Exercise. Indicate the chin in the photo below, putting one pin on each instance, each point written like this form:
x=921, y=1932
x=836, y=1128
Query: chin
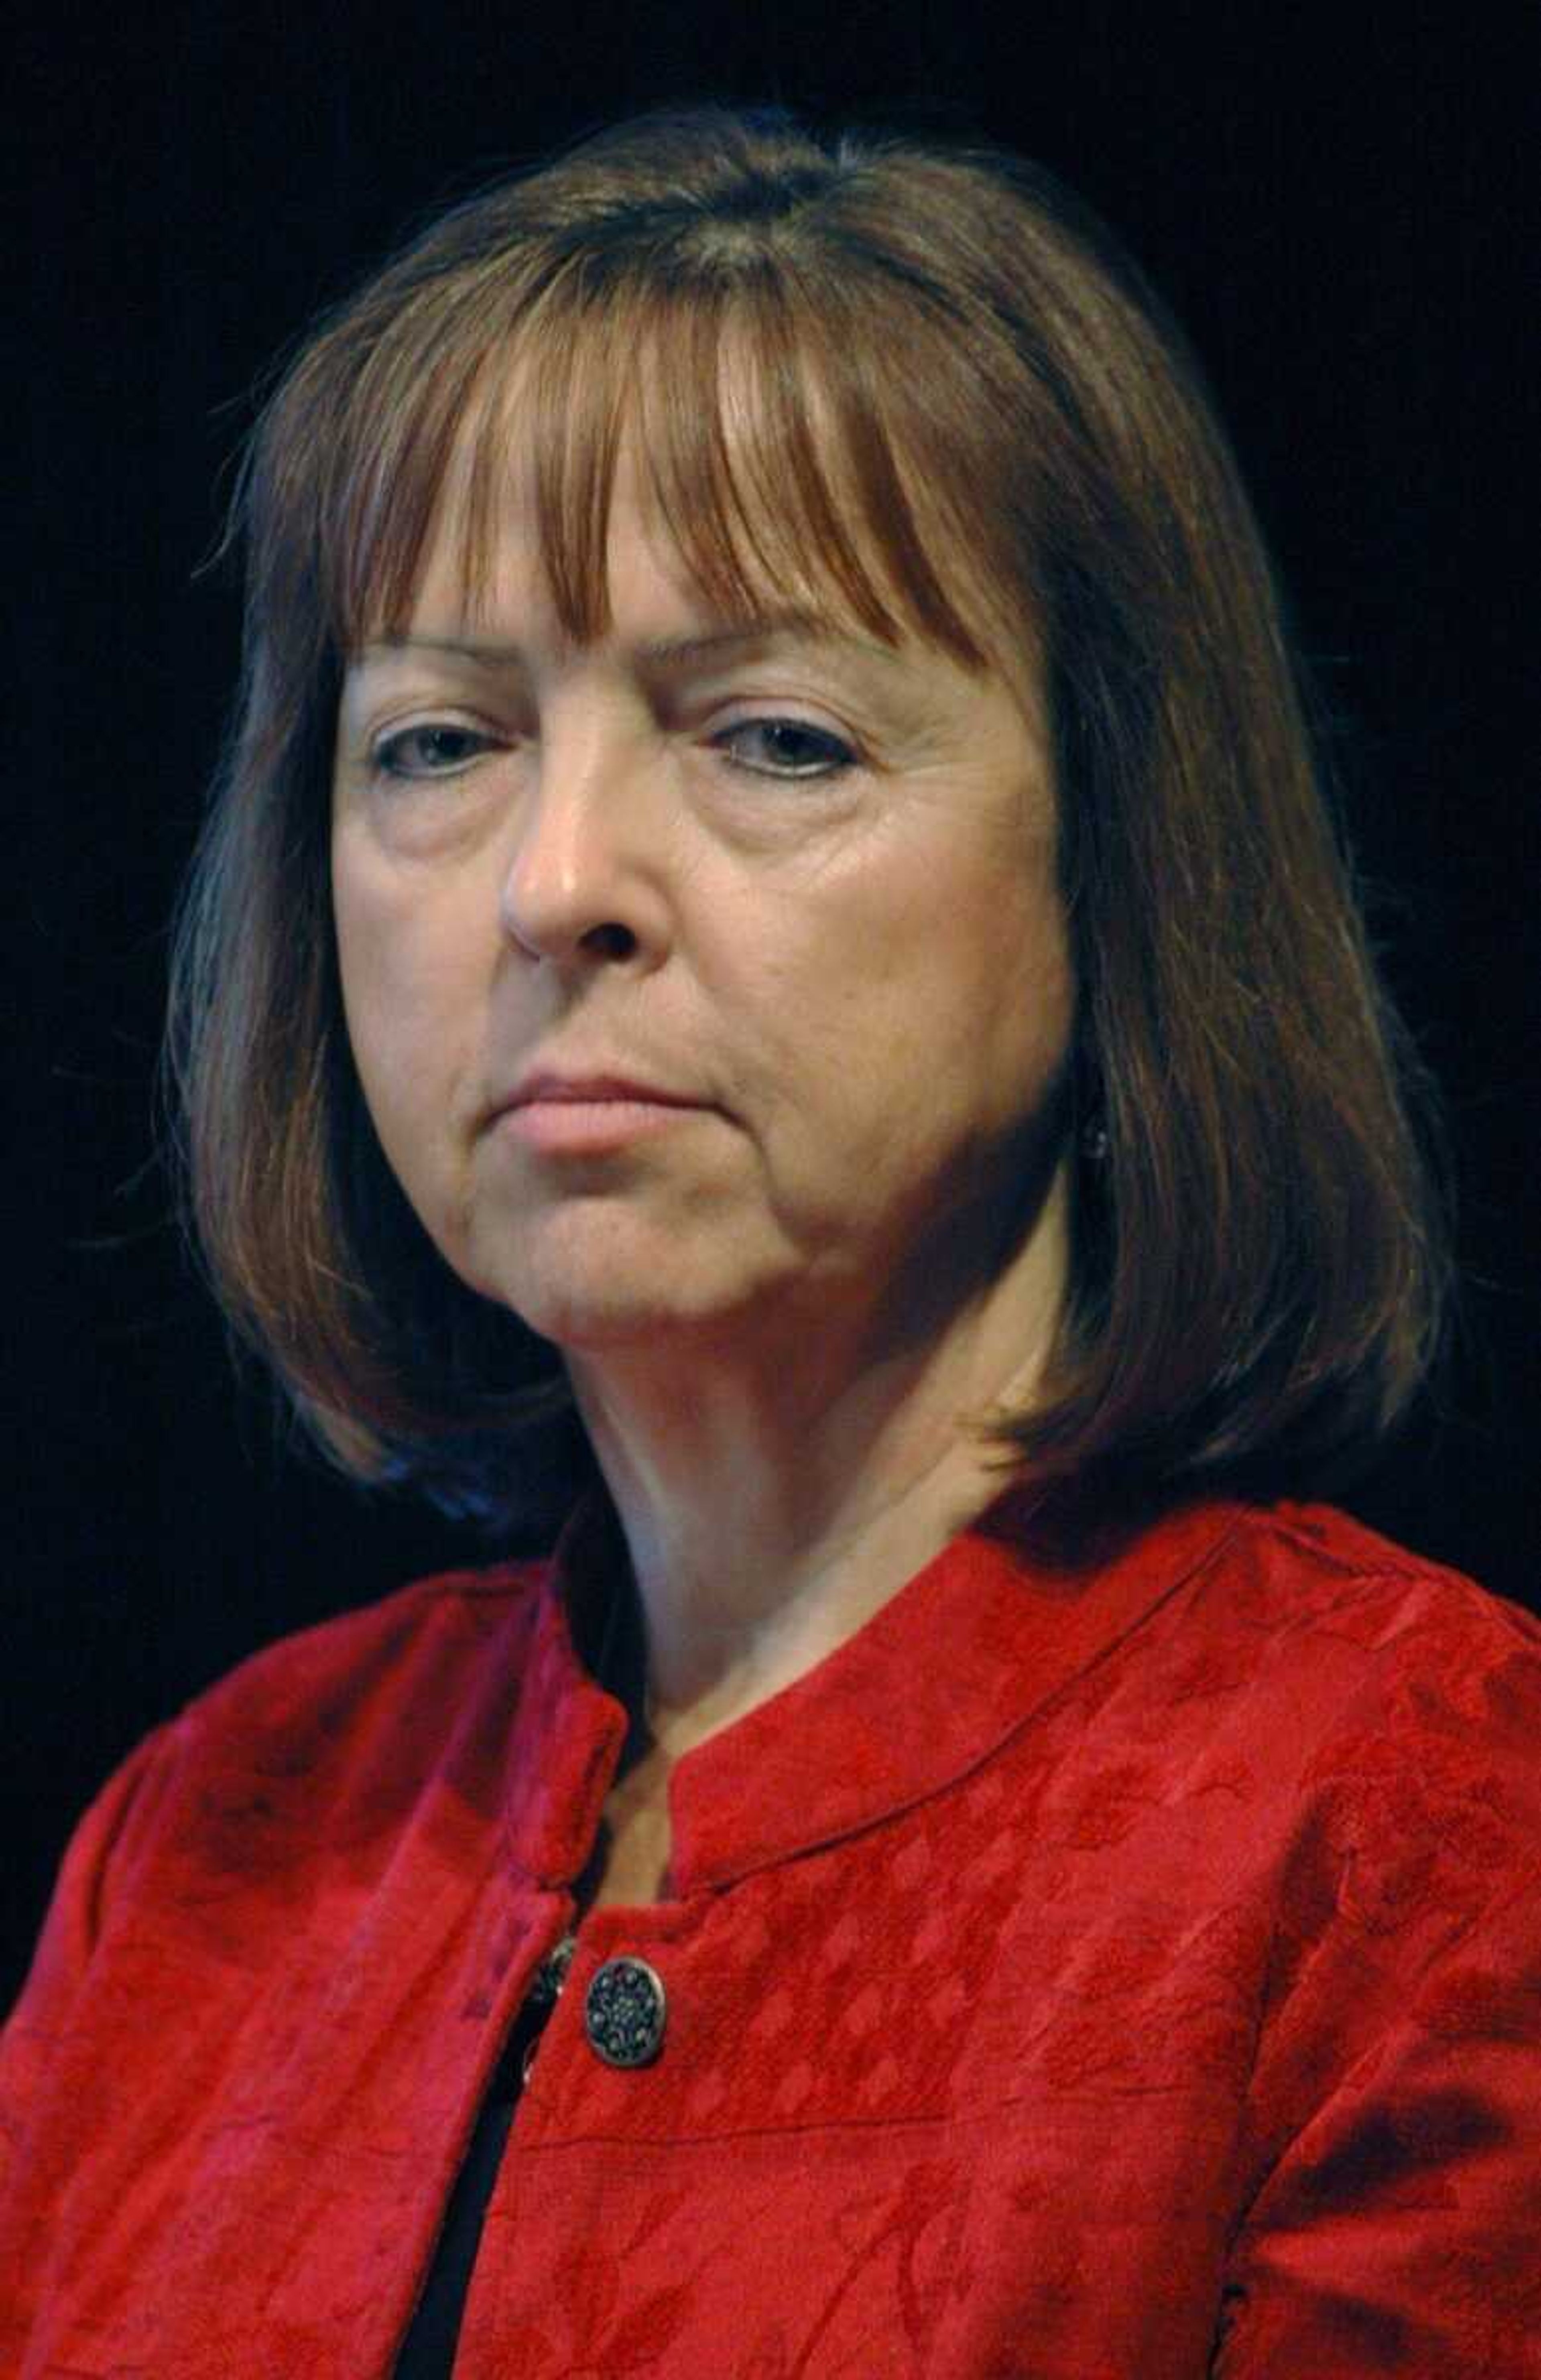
x=584, y=1307
x=597, y=1316
x=590, y=1283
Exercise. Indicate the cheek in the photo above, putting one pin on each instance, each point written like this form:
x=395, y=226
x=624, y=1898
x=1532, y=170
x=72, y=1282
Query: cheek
x=1027, y=993
x=406, y=996
x=911, y=1034
x=958, y=983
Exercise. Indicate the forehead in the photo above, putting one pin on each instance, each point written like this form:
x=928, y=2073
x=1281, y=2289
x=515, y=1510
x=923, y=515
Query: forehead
x=496, y=541
x=557, y=486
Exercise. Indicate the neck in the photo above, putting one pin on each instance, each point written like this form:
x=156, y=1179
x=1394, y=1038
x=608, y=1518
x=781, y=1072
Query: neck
x=773, y=1498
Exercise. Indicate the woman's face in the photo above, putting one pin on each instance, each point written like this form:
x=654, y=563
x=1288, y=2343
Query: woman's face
x=805, y=888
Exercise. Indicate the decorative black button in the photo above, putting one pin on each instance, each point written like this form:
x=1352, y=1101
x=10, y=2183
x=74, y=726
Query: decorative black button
x=623, y=2012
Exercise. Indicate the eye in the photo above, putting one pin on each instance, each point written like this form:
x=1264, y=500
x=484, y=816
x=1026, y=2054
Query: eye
x=838, y=755
x=432, y=748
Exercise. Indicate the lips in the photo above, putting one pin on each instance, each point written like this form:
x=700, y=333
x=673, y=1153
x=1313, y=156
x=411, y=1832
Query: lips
x=566, y=1117
x=606, y=1097
x=546, y=1085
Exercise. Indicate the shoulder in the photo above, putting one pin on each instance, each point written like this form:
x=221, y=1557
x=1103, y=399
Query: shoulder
x=328, y=1729
x=424, y=1679
x=1393, y=1705
x=1298, y=1619
x=1309, y=1574
x=1344, y=1683
x=410, y=1641
x=326, y=1738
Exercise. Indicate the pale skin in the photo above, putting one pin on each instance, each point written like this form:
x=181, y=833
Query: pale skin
x=838, y=937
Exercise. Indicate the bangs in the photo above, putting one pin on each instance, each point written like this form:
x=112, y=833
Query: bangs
x=772, y=456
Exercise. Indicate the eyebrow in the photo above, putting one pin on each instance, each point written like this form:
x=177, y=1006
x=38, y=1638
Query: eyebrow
x=791, y=624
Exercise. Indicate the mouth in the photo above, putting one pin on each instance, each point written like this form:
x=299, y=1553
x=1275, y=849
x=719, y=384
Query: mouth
x=546, y=1085
x=590, y=1113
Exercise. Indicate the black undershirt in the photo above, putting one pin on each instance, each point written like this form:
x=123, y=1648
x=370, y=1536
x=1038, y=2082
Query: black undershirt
x=428, y=2350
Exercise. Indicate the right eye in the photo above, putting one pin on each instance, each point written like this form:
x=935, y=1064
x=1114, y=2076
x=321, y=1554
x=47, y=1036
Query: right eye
x=430, y=748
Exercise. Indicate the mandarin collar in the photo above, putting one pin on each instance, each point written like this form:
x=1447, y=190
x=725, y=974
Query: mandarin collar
x=967, y=1652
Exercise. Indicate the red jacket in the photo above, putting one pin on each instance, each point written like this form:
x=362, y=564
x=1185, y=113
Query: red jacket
x=1127, y=1974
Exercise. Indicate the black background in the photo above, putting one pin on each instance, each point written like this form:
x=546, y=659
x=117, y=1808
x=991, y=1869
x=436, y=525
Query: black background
x=1341, y=216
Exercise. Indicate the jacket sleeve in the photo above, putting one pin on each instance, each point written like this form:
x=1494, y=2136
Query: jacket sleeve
x=94, y=1868
x=1396, y=2208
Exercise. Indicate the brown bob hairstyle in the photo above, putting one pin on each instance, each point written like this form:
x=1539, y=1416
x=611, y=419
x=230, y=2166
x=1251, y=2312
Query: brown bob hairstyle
x=971, y=423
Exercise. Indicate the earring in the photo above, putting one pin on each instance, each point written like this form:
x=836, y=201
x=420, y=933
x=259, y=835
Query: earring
x=1094, y=1143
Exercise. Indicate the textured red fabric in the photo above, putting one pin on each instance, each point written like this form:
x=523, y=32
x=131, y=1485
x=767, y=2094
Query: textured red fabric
x=1128, y=1973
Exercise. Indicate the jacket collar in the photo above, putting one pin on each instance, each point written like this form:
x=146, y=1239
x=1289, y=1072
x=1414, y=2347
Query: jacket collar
x=972, y=1646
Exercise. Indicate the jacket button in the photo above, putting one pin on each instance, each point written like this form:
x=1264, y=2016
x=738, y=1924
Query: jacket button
x=622, y=2014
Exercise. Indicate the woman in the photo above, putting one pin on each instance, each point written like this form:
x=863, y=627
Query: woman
x=770, y=930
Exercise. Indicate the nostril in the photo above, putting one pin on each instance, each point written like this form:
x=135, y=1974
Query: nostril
x=611, y=942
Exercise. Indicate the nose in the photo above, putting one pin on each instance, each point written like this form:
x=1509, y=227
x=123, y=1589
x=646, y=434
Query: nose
x=581, y=880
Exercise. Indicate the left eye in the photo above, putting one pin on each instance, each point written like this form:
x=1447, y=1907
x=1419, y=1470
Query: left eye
x=838, y=756
x=433, y=750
